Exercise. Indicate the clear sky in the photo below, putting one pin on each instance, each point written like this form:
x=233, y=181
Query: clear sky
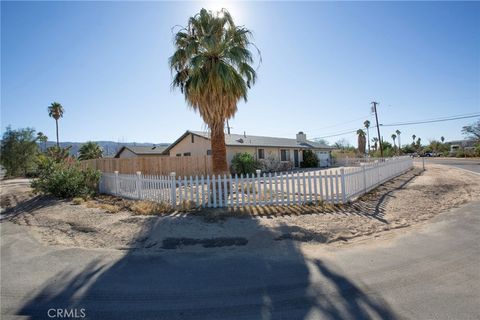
x=323, y=63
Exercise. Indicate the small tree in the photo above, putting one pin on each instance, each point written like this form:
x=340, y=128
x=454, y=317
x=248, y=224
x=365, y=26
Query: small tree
x=244, y=163
x=18, y=151
x=310, y=159
x=472, y=131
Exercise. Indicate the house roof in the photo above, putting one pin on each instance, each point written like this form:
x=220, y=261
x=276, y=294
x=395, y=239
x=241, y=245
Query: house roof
x=142, y=151
x=256, y=141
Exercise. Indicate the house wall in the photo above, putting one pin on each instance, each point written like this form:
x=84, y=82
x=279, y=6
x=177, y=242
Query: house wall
x=127, y=154
x=199, y=146
x=272, y=154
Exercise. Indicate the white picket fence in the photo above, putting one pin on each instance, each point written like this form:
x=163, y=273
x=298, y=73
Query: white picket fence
x=332, y=186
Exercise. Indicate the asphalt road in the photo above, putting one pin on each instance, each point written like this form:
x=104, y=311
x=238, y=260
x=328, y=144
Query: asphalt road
x=466, y=164
x=424, y=273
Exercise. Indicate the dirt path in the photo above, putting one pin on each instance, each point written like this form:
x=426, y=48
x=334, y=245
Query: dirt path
x=412, y=198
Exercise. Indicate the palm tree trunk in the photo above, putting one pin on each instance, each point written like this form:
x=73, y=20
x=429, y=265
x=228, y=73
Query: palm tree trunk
x=368, y=140
x=219, y=150
x=56, y=124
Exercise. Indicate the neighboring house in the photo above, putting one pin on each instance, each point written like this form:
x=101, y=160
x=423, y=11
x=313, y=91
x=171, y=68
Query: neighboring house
x=274, y=153
x=132, y=152
x=461, y=144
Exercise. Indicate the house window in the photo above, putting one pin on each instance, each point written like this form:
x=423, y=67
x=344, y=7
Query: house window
x=187, y=154
x=178, y=154
x=261, y=153
x=209, y=152
x=284, y=155
x=193, y=138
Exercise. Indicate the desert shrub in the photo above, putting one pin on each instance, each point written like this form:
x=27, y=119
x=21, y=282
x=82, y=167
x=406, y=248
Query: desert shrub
x=310, y=159
x=460, y=153
x=243, y=163
x=65, y=179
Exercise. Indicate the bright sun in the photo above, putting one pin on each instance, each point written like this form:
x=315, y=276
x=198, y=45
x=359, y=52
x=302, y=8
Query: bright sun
x=234, y=7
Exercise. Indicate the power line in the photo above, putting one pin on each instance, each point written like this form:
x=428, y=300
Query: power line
x=346, y=122
x=431, y=121
x=336, y=135
x=441, y=119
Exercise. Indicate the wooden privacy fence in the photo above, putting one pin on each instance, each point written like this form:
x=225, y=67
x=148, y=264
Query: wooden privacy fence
x=331, y=186
x=160, y=165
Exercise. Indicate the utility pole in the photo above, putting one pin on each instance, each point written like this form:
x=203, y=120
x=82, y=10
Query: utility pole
x=228, y=128
x=378, y=127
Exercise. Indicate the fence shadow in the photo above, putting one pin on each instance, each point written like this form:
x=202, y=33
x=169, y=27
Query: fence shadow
x=28, y=206
x=223, y=279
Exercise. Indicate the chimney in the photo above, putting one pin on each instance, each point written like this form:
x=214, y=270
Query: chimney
x=301, y=137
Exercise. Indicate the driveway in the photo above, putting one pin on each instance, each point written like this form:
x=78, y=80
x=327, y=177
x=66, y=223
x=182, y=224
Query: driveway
x=430, y=272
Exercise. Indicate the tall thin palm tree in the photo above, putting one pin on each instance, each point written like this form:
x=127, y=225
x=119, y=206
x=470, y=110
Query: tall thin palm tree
x=367, y=125
x=413, y=138
x=442, y=138
x=398, y=132
x=212, y=66
x=55, y=111
x=394, y=136
x=361, y=141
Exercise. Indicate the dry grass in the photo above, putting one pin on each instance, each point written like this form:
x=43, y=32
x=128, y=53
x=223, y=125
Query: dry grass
x=186, y=206
x=150, y=207
x=77, y=201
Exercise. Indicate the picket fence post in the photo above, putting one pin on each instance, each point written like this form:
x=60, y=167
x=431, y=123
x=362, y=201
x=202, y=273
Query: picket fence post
x=342, y=178
x=138, y=184
x=364, y=179
x=173, y=189
x=117, y=183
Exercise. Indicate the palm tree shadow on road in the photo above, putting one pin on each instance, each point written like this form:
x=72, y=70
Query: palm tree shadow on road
x=233, y=282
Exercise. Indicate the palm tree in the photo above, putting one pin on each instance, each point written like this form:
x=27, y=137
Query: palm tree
x=442, y=138
x=212, y=66
x=419, y=143
x=42, y=138
x=375, y=143
x=361, y=141
x=398, y=132
x=394, y=136
x=55, y=111
x=413, y=138
x=90, y=150
x=367, y=125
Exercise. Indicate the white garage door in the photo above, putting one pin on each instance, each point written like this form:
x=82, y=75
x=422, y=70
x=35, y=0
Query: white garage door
x=323, y=158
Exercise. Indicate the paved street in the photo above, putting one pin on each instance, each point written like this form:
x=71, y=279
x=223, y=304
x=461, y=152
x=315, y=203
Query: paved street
x=466, y=164
x=424, y=273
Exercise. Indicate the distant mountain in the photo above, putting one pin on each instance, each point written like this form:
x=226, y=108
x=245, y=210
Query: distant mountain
x=109, y=148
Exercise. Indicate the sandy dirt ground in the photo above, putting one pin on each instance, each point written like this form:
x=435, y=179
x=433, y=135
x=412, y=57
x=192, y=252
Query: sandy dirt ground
x=405, y=201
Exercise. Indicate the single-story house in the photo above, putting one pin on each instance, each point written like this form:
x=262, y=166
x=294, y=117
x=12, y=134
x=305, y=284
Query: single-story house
x=465, y=145
x=132, y=152
x=274, y=153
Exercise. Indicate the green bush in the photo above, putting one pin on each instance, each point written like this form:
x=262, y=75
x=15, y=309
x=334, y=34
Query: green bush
x=310, y=159
x=243, y=163
x=460, y=153
x=65, y=179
